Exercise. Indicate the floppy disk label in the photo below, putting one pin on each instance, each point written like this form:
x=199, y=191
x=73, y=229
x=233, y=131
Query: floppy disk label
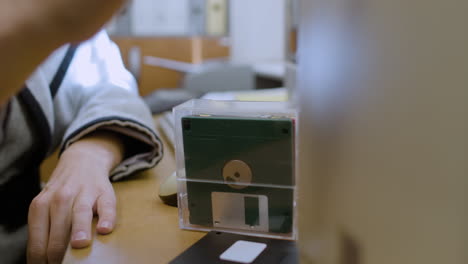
x=239, y=210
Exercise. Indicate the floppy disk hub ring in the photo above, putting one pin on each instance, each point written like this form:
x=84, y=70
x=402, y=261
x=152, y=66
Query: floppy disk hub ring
x=237, y=171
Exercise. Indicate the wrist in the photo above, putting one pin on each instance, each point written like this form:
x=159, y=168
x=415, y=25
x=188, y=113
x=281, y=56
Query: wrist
x=102, y=148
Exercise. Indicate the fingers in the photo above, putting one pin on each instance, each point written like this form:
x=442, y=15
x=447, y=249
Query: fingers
x=38, y=228
x=57, y=211
x=49, y=224
x=82, y=220
x=60, y=224
x=83, y=209
x=106, y=208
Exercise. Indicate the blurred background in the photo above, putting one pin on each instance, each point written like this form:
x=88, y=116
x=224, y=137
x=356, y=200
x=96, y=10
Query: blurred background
x=203, y=45
x=382, y=84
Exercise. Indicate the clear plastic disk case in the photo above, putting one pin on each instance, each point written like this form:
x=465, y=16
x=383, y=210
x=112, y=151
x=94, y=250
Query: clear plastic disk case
x=236, y=167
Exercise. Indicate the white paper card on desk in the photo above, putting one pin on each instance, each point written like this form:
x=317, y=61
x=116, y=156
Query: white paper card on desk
x=243, y=252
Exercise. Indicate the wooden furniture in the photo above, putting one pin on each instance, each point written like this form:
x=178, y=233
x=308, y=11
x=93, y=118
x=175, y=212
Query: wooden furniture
x=147, y=230
x=293, y=41
x=193, y=49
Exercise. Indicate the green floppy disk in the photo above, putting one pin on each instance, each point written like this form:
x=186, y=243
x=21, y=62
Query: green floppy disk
x=240, y=172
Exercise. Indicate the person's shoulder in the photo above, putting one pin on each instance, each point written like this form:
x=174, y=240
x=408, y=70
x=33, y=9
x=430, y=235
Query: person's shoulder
x=49, y=67
x=101, y=39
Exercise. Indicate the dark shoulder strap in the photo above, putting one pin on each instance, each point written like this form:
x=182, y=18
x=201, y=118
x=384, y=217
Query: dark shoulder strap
x=39, y=119
x=62, y=70
x=34, y=108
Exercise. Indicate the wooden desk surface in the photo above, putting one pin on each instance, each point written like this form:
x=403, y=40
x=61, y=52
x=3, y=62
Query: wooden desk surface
x=147, y=231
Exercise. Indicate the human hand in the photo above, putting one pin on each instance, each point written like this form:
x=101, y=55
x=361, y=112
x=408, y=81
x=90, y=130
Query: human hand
x=78, y=187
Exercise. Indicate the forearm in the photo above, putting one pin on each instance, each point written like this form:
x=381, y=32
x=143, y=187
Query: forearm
x=30, y=30
x=24, y=44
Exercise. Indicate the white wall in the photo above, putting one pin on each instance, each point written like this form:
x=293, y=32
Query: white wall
x=160, y=17
x=257, y=29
